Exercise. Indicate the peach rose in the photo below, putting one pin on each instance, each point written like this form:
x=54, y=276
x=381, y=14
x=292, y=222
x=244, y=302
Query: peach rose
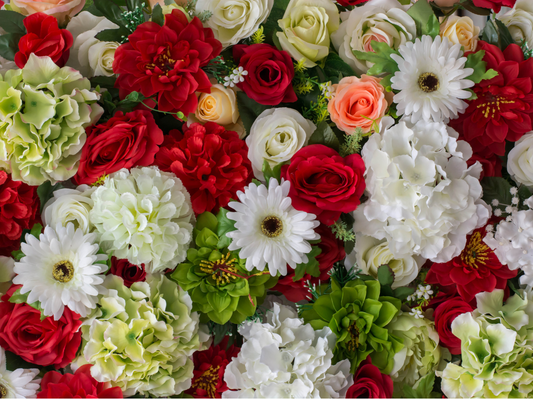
x=357, y=102
x=461, y=30
x=63, y=10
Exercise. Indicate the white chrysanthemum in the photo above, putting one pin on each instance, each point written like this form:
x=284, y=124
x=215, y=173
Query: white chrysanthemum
x=269, y=230
x=61, y=269
x=431, y=79
x=144, y=215
x=17, y=384
x=285, y=358
x=70, y=205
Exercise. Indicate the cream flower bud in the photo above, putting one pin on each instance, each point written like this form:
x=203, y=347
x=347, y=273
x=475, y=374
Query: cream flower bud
x=520, y=161
x=70, y=205
x=461, y=30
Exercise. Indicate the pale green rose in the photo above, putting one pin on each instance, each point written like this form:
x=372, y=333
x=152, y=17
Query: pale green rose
x=307, y=26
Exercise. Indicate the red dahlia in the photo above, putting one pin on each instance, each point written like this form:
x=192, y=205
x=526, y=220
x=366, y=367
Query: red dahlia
x=19, y=210
x=504, y=104
x=211, y=162
x=166, y=61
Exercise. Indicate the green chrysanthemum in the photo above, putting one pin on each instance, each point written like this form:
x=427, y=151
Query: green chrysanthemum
x=219, y=284
x=359, y=316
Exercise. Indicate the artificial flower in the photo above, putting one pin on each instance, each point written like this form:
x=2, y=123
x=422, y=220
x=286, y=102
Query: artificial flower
x=70, y=205
x=129, y=272
x=444, y=315
x=63, y=10
x=492, y=164
x=460, y=30
x=519, y=21
x=370, y=383
x=7, y=264
x=18, y=384
x=496, y=5
x=520, y=161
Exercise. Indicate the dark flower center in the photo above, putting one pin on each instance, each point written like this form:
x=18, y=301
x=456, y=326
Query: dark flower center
x=208, y=381
x=63, y=271
x=476, y=252
x=428, y=82
x=3, y=392
x=222, y=271
x=272, y=226
x=353, y=343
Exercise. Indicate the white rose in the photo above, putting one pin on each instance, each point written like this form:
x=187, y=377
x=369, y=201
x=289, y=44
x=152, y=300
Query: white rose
x=519, y=20
x=89, y=55
x=520, y=161
x=380, y=20
x=70, y=205
x=233, y=20
x=276, y=135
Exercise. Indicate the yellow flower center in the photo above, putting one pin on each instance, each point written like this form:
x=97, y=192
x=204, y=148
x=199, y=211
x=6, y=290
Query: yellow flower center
x=272, y=226
x=63, y=271
x=475, y=252
x=208, y=381
x=222, y=271
x=3, y=392
x=428, y=82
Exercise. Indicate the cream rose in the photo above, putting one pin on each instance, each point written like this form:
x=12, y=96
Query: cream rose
x=63, y=10
x=461, y=30
x=89, y=55
x=233, y=20
x=275, y=136
x=70, y=205
x=307, y=26
x=380, y=20
x=519, y=20
x=520, y=161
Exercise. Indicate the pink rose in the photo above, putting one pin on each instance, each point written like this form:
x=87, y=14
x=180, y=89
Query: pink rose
x=63, y=10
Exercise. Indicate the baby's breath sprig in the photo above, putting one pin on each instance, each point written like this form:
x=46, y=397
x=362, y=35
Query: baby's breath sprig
x=190, y=8
x=258, y=36
x=342, y=232
x=133, y=18
x=528, y=53
x=422, y=297
x=352, y=143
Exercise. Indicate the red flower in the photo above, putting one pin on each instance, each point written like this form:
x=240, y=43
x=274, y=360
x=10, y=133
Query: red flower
x=46, y=342
x=476, y=269
x=492, y=165
x=124, y=141
x=496, y=5
x=270, y=73
x=129, y=272
x=19, y=210
x=44, y=38
x=209, y=368
x=504, y=104
x=211, y=162
x=346, y=3
x=166, y=61
x=370, y=383
x=444, y=315
x=332, y=252
x=324, y=183
x=80, y=385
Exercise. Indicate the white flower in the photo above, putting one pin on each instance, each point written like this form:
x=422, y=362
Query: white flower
x=431, y=79
x=269, y=230
x=18, y=384
x=519, y=20
x=233, y=20
x=520, y=161
x=61, y=268
x=70, y=205
x=379, y=20
x=89, y=55
x=276, y=135
x=286, y=358
x=235, y=77
x=144, y=215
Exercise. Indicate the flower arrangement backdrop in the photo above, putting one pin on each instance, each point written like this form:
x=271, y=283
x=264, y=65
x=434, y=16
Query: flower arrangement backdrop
x=266, y=198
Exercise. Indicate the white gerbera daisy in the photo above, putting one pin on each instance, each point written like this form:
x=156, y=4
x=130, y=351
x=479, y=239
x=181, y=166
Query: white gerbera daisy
x=17, y=384
x=431, y=79
x=60, y=269
x=269, y=230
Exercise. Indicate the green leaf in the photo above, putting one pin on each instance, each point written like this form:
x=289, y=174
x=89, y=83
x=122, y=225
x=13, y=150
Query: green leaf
x=107, y=82
x=207, y=220
x=45, y=192
x=17, y=255
x=403, y=292
x=433, y=27
x=425, y=386
x=496, y=188
x=111, y=11
x=12, y=22
x=311, y=267
x=113, y=35
x=133, y=4
x=490, y=33
x=323, y=134
x=269, y=172
x=14, y=362
x=505, y=36
x=408, y=392
x=9, y=45
x=18, y=298
x=157, y=15
x=271, y=26
x=475, y=61
x=524, y=193
x=36, y=230
x=335, y=65
x=421, y=12
x=385, y=275
x=249, y=110
x=225, y=225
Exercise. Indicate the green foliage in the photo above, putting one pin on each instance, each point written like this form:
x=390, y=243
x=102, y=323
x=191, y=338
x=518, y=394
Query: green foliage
x=311, y=267
x=383, y=63
x=269, y=172
x=271, y=26
x=323, y=134
x=224, y=226
x=12, y=22
x=425, y=19
x=352, y=143
x=249, y=110
x=423, y=388
x=157, y=15
x=18, y=298
x=45, y=192
x=496, y=188
x=9, y=45
x=496, y=33
x=341, y=275
x=475, y=61
x=386, y=279
x=336, y=68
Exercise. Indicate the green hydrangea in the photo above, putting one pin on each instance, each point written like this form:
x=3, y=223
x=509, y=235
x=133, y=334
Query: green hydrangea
x=359, y=316
x=142, y=338
x=44, y=111
x=219, y=284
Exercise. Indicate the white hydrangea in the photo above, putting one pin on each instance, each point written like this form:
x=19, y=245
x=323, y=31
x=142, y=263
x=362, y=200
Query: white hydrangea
x=145, y=216
x=423, y=198
x=70, y=205
x=285, y=358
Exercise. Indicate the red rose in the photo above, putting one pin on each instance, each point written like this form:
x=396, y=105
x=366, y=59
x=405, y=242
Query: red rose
x=209, y=368
x=1, y=3
x=444, y=315
x=211, y=162
x=476, y=269
x=332, y=252
x=124, y=141
x=492, y=165
x=129, y=272
x=504, y=104
x=496, y=5
x=370, y=383
x=46, y=342
x=324, y=183
x=166, y=61
x=19, y=210
x=44, y=38
x=80, y=385
x=347, y=3
x=270, y=73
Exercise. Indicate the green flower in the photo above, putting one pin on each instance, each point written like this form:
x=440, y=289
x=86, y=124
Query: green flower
x=216, y=278
x=142, y=338
x=359, y=316
x=44, y=111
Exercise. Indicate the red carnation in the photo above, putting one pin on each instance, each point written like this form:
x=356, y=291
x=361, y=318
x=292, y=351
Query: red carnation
x=370, y=383
x=80, y=385
x=332, y=252
x=19, y=210
x=444, y=315
x=504, y=104
x=476, y=269
x=324, y=183
x=124, y=141
x=209, y=368
x=270, y=73
x=46, y=342
x=211, y=162
x=44, y=38
x=129, y=272
x=496, y=5
x=166, y=61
